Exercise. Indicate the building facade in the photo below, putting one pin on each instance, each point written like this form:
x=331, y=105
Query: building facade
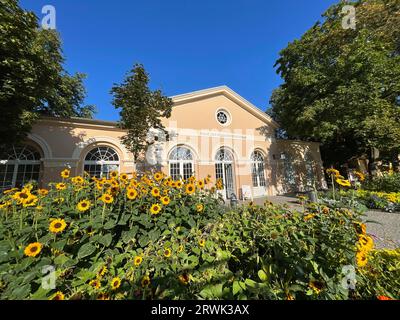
x=212, y=132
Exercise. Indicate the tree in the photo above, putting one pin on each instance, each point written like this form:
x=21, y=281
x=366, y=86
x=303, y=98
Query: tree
x=342, y=86
x=33, y=81
x=140, y=110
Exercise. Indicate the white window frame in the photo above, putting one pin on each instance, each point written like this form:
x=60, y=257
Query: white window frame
x=181, y=162
x=15, y=159
x=258, y=181
x=228, y=115
x=221, y=164
x=102, y=162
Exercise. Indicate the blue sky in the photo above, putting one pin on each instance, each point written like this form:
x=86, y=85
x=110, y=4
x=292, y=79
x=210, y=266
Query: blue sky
x=184, y=45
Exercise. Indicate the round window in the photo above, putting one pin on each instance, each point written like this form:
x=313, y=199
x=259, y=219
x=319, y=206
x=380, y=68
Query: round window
x=223, y=117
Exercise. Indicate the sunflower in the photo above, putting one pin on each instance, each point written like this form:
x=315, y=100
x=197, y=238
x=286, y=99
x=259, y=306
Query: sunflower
x=133, y=183
x=58, y=200
x=332, y=172
x=113, y=174
x=316, y=286
x=10, y=191
x=167, y=252
x=184, y=278
x=190, y=188
x=65, y=174
x=199, y=207
x=103, y=296
x=155, y=192
x=365, y=243
x=362, y=258
x=202, y=242
x=83, y=205
x=123, y=177
x=131, y=194
x=145, y=281
x=200, y=184
x=31, y=201
x=95, y=283
x=180, y=249
x=33, y=249
x=78, y=180
x=22, y=196
x=309, y=217
x=165, y=200
x=5, y=204
x=363, y=228
x=360, y=176
x=343, y=182
x=155, y=209
x=57, y=226
x=102, y=272
x=178, y=184
x=137, y=261
x=61, y=186
x=58, y=296
x=115, y=283
x=107, y=198
x=158, y=176
x=43, y=192
x=219, y=185
x=144, y=191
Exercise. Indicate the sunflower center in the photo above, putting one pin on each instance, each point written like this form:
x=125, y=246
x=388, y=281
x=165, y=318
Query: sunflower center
x=57, y=225
x=34, y=249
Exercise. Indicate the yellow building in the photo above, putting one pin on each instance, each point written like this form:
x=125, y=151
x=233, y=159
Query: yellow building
x=212, y=132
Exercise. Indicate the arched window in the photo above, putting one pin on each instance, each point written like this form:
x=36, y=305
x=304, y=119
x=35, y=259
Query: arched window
x=289, y=171
x=258, y=169
x=181, y=163
x=19, y=166
x=100, y=161
x=224, y=166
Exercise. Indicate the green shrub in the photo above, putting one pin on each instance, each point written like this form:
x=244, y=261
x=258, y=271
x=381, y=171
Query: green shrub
x=382, y=272
x=155, y=238
x=387, y=183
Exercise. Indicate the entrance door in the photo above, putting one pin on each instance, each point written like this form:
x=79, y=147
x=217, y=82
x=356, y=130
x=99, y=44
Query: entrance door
x=224, y=170
x=258, y=174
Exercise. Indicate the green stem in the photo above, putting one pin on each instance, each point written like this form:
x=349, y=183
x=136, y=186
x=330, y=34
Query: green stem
x=103, y=214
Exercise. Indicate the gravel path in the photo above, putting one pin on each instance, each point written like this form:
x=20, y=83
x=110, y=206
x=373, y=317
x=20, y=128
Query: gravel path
x=384, y=227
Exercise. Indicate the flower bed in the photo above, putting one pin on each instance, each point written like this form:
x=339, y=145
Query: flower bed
x=389, y=202
x=155, y=238
x=346, y=193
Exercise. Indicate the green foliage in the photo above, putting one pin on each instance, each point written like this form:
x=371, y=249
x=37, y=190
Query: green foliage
x=140, y=109
x=185, y=251
x=341, y=87
x=385, y=183
x=383, y=269
x=32, y=78
x=360, y=198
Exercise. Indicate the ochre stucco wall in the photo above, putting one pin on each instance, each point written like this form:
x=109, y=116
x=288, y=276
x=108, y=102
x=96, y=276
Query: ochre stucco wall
x=66, y=143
